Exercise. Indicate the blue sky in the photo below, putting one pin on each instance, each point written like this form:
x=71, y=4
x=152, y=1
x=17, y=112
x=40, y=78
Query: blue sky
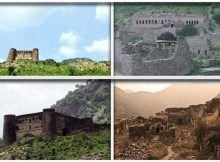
x=58, y=31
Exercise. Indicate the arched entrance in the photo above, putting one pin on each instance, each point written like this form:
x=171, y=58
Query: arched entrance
x=180, y=121
x=158, y=130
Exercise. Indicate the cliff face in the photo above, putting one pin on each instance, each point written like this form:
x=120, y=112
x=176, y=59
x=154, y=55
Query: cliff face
x=90, y=100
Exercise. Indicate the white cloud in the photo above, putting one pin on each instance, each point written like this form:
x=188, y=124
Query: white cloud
x=15, y=16
x=102, y=13
x=67, y=51
x=99, y=47
x=68, y=43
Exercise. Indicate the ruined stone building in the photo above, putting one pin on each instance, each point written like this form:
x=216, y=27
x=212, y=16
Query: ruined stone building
x=167, y=55
x=172, y=20
x=139, y=51
x=166, y=125
x=22, y=55
x=46, y=124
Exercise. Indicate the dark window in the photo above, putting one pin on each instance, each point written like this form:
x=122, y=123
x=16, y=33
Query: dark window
x=161, y=21
x=139, y=21
x=155, y=21
x=136, y=21
x=145, y=21
x=29, y=120
x=197, y=22
x=206, y=52
x=29, y=127
x=198, y=51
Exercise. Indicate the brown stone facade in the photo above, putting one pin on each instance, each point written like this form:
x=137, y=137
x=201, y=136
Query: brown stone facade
x=22, y=55
x=46, y=124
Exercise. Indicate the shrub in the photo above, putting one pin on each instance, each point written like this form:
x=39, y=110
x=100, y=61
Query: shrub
x=187, y=30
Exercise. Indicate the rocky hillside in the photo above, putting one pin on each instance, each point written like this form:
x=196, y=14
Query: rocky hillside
x=90, y=100
x=129, y=104
x=60, y=148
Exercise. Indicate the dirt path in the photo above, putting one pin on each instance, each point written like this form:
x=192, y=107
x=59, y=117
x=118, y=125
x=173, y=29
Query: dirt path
x=169, y=155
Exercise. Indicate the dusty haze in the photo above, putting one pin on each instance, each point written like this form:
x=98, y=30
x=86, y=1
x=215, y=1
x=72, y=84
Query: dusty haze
x=130, y=102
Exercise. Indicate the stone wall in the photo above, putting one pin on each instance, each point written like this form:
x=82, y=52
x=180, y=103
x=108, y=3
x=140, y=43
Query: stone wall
x=137, y=131
x=28, y=124
x=179, y=64
x=173, y=20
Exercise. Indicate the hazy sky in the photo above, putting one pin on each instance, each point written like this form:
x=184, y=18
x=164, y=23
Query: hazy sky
x=143, y=86
x=29, y=97
x=59, y=31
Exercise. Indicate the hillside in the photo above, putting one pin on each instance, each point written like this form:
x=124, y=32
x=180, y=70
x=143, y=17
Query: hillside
x=177, y=95
x=65, y=147
x=90, y=100
x=71, y=67
x=124, y=11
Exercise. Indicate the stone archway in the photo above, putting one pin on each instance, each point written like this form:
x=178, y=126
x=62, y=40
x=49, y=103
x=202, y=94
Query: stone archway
x=180, y=121
x=157, y=130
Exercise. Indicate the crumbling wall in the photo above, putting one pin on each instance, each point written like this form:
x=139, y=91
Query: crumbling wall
x=29, y=124
x=180, y=64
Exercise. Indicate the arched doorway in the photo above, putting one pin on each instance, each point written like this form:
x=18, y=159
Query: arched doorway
x=158, y=130
x=180, y=121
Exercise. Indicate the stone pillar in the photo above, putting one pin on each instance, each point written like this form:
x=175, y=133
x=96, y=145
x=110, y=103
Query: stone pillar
x=164, y=45
x=49, y=123
x=9, y=132
x=35, y=54
x=11, y=55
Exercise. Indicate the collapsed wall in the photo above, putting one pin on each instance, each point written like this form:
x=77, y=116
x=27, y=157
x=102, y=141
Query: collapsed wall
x=179, y=64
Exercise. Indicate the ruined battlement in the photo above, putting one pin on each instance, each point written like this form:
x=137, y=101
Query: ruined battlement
x=22, y=55
x=46, y=124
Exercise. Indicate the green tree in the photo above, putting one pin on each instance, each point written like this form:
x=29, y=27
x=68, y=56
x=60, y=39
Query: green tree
x=187, y=30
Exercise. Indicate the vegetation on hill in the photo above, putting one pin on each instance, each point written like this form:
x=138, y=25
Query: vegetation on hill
x=124, y=11
x=188, y=30
x=49, y=67
x=90, y=100
x=59, y=148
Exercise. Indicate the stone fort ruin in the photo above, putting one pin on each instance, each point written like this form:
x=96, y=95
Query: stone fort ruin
x=166, y=20
x=139, y=50
x=167, y=125
x=22, y=55
x=46, y=124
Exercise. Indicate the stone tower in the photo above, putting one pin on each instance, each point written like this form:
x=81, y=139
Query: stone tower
x=49, y=123
x=9, y=134
x=35, y=55
x=11, y=55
